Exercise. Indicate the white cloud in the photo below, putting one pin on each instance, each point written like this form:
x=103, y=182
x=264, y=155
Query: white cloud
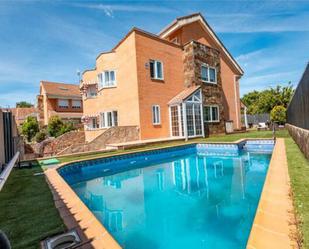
x=109, y=9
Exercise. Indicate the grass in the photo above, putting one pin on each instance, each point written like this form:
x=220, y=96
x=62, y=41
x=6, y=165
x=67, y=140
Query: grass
x=28, y=214
x=299, y=175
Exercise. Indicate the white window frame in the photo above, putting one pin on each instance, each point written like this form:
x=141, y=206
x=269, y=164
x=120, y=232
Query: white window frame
x=90, y=93
x=156, y=114
x=155, y=62
x=76, y=106
x=208, y=80
x=63, y=106
x=105, y=123
x=211, y=118
x=108, y=84
x=90, y=124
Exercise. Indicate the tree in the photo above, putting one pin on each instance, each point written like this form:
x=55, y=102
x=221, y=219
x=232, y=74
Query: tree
x=57, y=127
x=24, y=104
x=278, y=114
x=29, y=128
x=54, y=126
x=264, y=101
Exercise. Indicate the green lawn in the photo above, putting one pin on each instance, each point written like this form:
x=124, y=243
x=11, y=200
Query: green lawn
x=27, y=212
x=299, y=175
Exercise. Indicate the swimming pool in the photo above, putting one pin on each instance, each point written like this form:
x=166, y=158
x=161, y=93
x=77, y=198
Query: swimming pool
x=193, y=196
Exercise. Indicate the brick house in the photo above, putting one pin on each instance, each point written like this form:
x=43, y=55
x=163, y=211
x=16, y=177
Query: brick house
x=59, y=99
x=181, y=82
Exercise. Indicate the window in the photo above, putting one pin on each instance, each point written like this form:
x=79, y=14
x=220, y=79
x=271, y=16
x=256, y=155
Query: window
x=156, y=69
x=211, y=113
x=156, y=115
x=175, y=40
x=93, y=124
x=91, y=91
x=209, y=74
x=107, y=79
x=76, y=104
x=63, y=103
x=108, y=119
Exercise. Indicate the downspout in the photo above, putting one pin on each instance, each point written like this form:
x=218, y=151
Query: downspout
x=236, y=100
x=246, y=119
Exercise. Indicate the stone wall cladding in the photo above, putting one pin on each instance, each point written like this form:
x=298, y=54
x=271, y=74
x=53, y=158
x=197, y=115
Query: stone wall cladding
x=116, y=134
x=301, y=137
x=54, y=146
x=195, y=55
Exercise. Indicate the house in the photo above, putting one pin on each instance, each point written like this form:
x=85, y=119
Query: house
x=21, y=113
x=182, y=82
x=59, y=99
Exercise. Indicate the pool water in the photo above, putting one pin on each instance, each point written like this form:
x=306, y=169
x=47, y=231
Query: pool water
x=191, y=199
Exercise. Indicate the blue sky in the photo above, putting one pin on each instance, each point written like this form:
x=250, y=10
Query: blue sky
x=51, y=40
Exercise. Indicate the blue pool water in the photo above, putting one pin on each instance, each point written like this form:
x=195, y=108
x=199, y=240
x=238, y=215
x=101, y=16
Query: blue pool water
x=196, y=196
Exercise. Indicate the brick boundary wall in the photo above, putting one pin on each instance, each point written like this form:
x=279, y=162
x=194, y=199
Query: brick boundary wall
x=301, y=137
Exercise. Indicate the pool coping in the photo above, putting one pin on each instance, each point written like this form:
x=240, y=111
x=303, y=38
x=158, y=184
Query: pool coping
x=76, y=214
x=274, y=225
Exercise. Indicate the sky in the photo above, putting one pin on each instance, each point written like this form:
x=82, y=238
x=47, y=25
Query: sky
x=53, y=40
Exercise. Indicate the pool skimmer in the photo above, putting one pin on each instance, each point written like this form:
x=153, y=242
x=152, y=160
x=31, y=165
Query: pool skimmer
x=62, y=241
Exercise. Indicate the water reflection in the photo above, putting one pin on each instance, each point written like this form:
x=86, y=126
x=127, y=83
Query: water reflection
x=196, y=202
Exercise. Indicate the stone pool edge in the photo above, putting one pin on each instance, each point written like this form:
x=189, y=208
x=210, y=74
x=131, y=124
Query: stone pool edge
x=274, y=225
x=76, y=214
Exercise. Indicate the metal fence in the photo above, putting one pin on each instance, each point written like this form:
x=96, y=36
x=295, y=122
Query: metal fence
x=298, y=109
x=8, y=137
x=255, y=119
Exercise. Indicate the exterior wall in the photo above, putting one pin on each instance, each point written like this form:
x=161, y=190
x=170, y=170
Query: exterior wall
x=301, y=137
x=124, y=97
x=92, y=134
x=194, y=31
x=157, y=92
x=55, y=107
x=195, y=55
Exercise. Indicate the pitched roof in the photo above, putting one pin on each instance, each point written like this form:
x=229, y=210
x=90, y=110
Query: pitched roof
x=180, y=97
x=60, y=89
x=22, y=113
x=184, y=20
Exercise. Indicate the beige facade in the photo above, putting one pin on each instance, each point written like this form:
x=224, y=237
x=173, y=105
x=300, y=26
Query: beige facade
x=134, y=83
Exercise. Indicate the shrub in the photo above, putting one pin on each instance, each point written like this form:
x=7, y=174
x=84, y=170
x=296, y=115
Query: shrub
x=29, y=128
x=57, y=127
x=66, y=128
x=40, y=136
x=278, y=114
x=54, y=126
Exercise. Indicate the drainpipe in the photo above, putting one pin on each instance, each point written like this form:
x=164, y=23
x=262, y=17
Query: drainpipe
x=246, y=120
x=236, y=100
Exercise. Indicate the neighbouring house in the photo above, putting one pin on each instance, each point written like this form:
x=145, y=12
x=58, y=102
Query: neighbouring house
x=182, y=82
x=59, y=99
x=21, y=113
